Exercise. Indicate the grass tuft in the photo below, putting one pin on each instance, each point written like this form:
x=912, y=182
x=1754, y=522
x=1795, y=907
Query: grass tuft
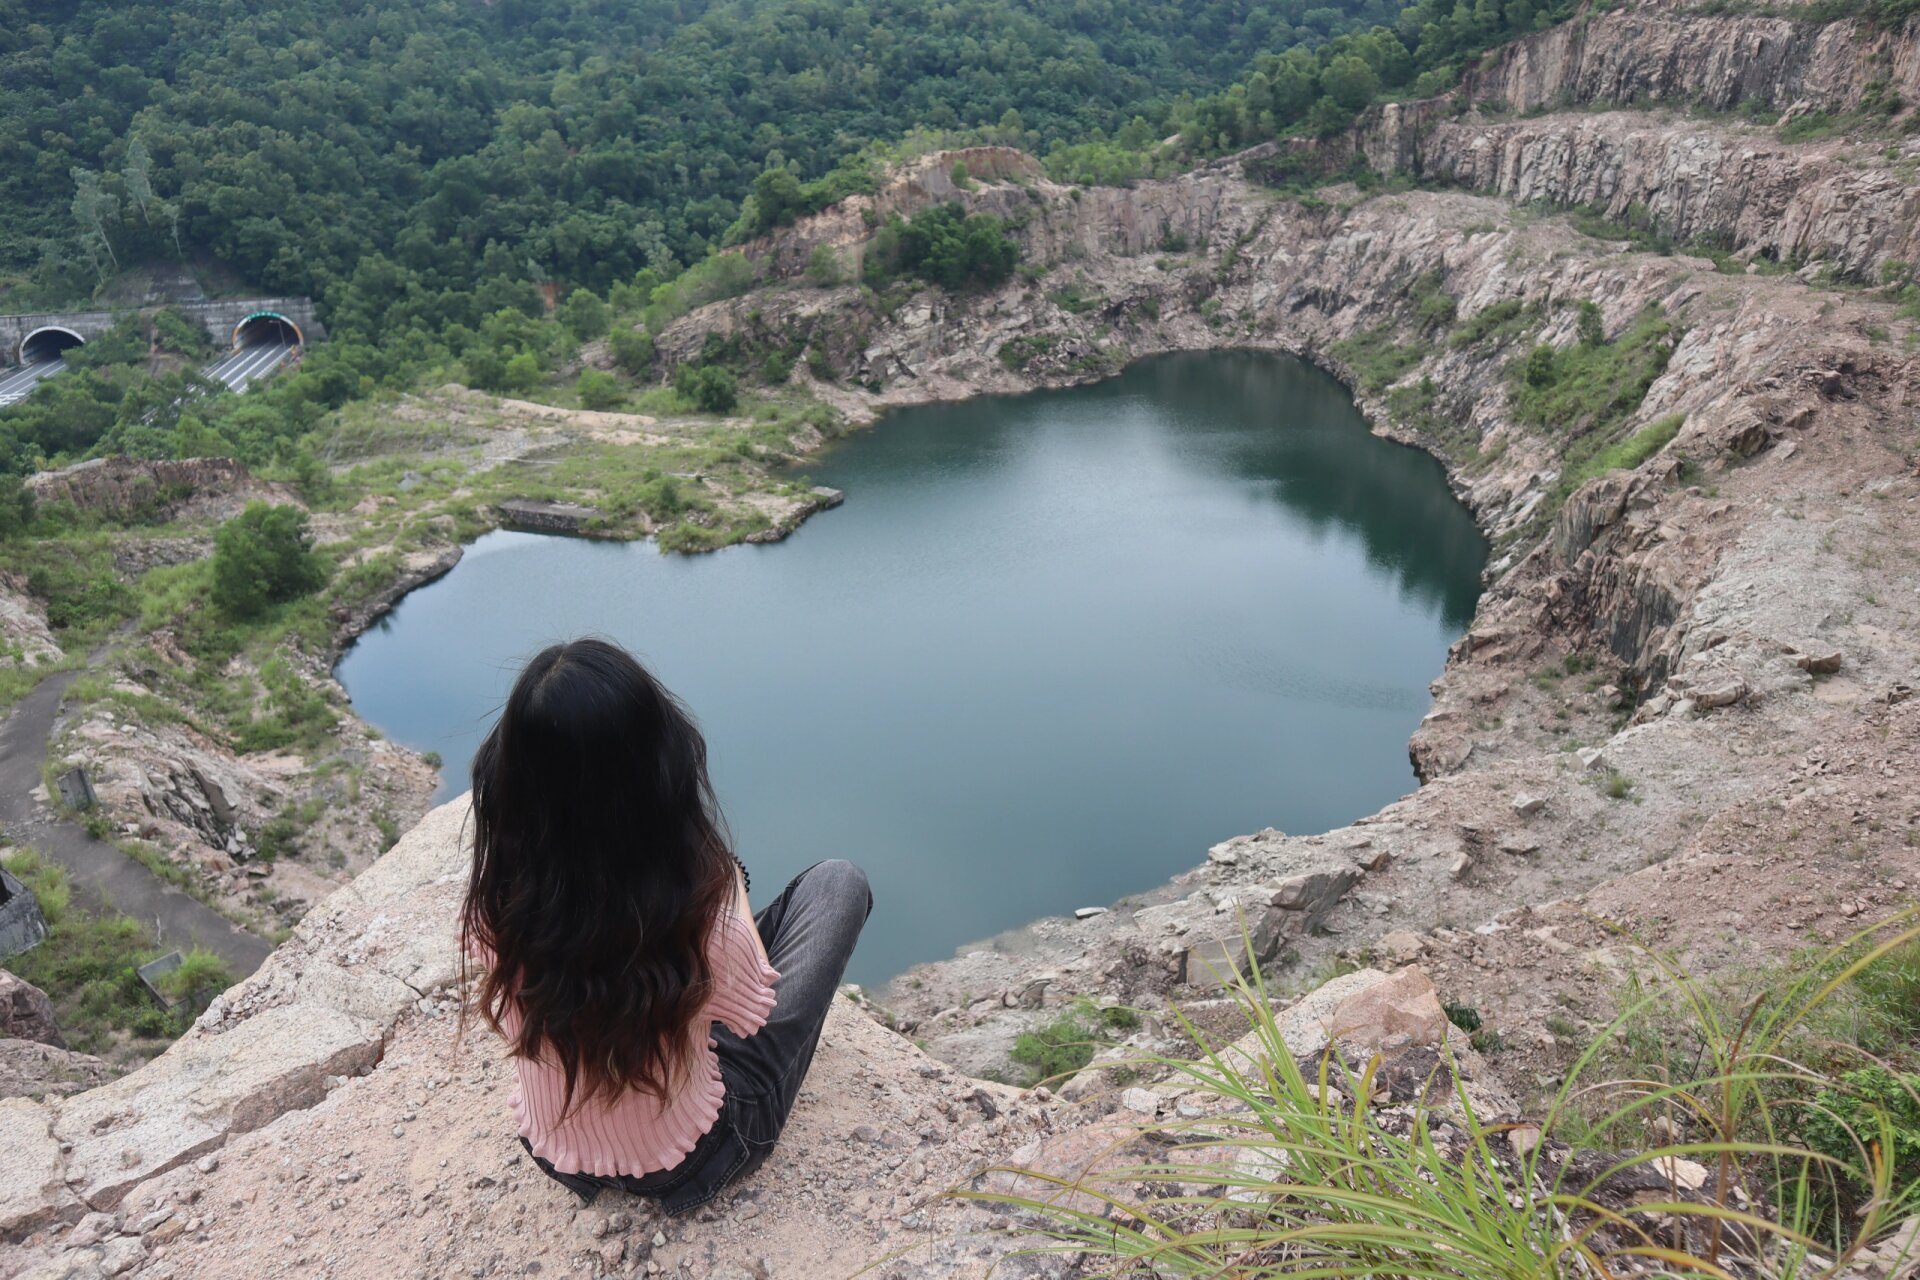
x=1284, y=1175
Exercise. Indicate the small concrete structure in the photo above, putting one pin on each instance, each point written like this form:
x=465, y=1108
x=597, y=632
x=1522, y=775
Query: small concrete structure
x=548, y=517
x=22, y=926
x=76, y=790
x=153, y=970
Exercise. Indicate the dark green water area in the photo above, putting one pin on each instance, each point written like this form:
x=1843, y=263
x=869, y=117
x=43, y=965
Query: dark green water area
x=1052, y=647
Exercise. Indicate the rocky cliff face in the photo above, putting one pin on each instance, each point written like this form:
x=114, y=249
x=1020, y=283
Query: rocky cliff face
x=1732, y=187
x=1670, y=52
x=1648, y=650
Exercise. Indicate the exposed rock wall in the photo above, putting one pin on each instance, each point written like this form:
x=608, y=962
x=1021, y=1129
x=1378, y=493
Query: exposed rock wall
x=1686, y=586
x=156, y=489
x=1734, y=186
x=1664, y=53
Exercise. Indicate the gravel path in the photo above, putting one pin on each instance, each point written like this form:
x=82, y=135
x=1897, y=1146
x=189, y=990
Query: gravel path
x=103, y=874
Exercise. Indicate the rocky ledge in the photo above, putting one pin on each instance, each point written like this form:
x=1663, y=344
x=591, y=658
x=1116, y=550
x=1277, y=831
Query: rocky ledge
x=331, y=1117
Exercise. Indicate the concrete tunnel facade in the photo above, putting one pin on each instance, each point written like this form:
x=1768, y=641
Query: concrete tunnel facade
x=48, y=342
x=227, y=322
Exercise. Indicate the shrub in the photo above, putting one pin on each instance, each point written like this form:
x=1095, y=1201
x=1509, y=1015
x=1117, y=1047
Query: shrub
x=598, y=390
x=177, y=332
x=1374, y=358
x=1437, y=310
x=1069, y=1042
x=632, y=351
x=522, y=373
x=262, y=557
x=823, y=267
x=711, y=388
x=1863, y=1108
x=86, y=967
x=1593, y=387
x=201, y=976
x=724, y=275
x=1590, y=327
x=1624, y=455
x=1058, y=1049
x=1019, y=352
x=944, y=245
x=293, y=713
x=1497, y=322
x=1538, y=370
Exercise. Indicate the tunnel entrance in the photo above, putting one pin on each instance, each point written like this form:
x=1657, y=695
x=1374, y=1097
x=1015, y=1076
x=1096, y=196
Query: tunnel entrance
x=48, y=343
x=266, y=328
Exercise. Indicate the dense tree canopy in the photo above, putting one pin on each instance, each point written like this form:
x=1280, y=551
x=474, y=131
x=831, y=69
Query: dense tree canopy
x=572, y=140
x=438, y=173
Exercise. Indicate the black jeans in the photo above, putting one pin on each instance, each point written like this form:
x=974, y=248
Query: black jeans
x=809, y=932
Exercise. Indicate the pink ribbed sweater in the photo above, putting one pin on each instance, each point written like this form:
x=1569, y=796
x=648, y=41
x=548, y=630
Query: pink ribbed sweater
x=636, y=1133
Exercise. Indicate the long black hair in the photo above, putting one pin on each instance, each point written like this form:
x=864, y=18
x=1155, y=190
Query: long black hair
x=600, y=865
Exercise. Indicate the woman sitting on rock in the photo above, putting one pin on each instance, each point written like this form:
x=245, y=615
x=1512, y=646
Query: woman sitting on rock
x=660, y=1030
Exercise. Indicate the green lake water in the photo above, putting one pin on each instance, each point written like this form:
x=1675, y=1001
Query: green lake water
x=1052, y=647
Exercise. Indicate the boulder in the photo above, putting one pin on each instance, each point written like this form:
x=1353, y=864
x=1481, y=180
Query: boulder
x=1404, y=1004
x=1213, y=942
x=1399, y=947
x=188, y=1100
x=26, y=1013
x=1818, y=662
x=29, y=1068
x=1721, y=693
x=33, y=1189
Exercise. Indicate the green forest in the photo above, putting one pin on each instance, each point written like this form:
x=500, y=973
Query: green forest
x=435, y=174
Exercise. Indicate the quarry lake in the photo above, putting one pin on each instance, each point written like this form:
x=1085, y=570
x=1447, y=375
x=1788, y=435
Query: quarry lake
x=1052, y=647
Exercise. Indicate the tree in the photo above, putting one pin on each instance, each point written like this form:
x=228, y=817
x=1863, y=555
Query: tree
x=95, y=209
x=1349, y=81
x=584, y=315
x=137, y=173
x=262, y=557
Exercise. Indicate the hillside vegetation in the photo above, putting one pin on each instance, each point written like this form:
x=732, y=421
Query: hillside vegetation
x=438, y=175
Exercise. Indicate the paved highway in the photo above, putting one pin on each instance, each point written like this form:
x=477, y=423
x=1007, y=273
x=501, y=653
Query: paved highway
x=236, y=371
x=249, y=364
x=18, y=384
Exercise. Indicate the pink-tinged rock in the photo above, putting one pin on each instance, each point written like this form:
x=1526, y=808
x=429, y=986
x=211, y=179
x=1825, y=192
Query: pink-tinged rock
x=1404, y=1004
